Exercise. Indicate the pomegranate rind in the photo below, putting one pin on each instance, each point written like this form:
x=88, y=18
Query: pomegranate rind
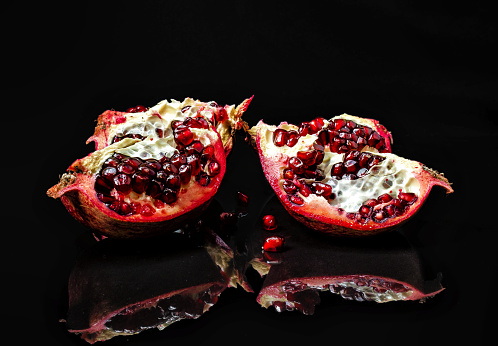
x=76, y=187
x=317, y=213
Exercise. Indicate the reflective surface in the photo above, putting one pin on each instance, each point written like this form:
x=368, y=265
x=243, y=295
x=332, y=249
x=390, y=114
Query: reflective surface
x=426, y=73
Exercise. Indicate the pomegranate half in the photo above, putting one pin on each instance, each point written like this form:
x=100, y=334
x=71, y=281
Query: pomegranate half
x=339, y=176
x=153, y=169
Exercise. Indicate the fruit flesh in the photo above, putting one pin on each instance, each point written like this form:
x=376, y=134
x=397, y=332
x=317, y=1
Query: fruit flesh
x=338, y=212
x=119, y=208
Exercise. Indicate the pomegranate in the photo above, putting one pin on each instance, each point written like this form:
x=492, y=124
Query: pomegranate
x=339, y=176
x=384, y=269
x=115, y=288
x=152, y=168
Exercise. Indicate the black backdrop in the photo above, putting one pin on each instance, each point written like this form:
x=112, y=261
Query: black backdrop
x=428, y=73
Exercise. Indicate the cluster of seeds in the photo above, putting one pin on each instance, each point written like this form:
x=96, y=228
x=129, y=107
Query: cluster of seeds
x=340, y=135
x=304, y=166
x=383, y=207
x=162, y=179
x=303, y=177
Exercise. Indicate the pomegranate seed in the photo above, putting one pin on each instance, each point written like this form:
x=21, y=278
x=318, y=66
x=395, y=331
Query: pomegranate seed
x=315, y=125
x=122, y=183
x=203, y=179
x=305, y=190
x=321, y=189
x=304, y=129
x=108, y=174
x=373, y=139
x=125, y=168
x=169, y=196
x=170, y=168
x=379, y=215
x=296, y=165
x=186, y=108
x=339, y=123
x=359, y=131
x=296, y=199
x=207, y=153
x=146, y=170
x=185, y=172
x=351, y=166
x=324, y=137
x=111, y=162
x=365, y=210
x=154, y=189
x=273, y=244
x=135, y=162
x=280, y=137
x=345, y=129
x=384, y=198
x=183, y=136
x=122, y=208
x=408, y=197
x=352, y=155
x=338, y=169
x=307, y=157
x=221, y=115
x=194, y=161
x=140, y=181
x=319, y=157
x=173, y=181
x=153, y=164
x=213, y=168
x=178, y=159
x=390, y=210
x=242, y=198
x=371, y=202
x=194, y=147
x=292, y=138
x=351, y=124
x=269, y=223
x=364, y=160
x=105, y=198
x=289, y=174
x=289, y=186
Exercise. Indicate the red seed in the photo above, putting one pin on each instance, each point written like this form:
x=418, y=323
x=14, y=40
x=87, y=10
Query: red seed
x=351, y=166
x=213, y=168
x=280, y=137
x=338, y=169
x=296, y=199
x=122, y=183
x=288, y=174
x=185, y=172
x=307, y=157
x=194, y=147
x=339, y=123
x=169, y=196
x=408, y=197
x=178, y=159
x=183, y=136
x=270, y=223
x=194, y=161
x=207, y=153
x=373, y=139
x=365, y=210
x=289, y=186
x=242, y=198
x=273, y=244
x=140, y=181
x=296, y=165
x=203, y=179
x=304, y=129
x=147, y=210
x=321, y=189
x=384, y=198
x=292, y=138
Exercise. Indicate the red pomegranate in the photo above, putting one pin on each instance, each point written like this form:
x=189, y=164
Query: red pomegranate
x=339, y=176
x=153, y=169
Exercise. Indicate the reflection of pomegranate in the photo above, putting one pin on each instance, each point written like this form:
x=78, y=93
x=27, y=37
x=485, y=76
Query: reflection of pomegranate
x=122, y=288
x=152, y=169
x=383, y=269
x=338, y=176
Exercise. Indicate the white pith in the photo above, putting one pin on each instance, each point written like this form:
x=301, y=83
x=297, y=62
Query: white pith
x=390, y=176
x=146, y=124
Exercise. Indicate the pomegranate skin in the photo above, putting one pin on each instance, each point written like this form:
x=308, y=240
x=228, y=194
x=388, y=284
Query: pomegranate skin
x=77, y=187
x=317, y=213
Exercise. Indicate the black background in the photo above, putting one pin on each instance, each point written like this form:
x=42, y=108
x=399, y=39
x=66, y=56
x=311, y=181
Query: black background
x=426, y=72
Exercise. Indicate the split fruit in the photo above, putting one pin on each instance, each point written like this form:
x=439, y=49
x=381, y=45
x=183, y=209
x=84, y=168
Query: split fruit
x=153, y=169
x=339, y=176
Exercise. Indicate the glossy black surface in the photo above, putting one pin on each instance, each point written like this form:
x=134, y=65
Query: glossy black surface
x=428, y=73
